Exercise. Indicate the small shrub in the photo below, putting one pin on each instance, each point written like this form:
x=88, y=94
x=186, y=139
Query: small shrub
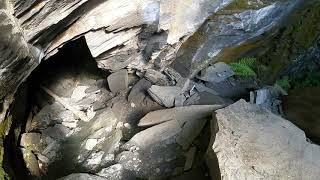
x=244, y=67
x=309, y=79
x=284, y=83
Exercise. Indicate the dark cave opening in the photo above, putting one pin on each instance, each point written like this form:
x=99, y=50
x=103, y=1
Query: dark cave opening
x=73, y=62
x=72, y=65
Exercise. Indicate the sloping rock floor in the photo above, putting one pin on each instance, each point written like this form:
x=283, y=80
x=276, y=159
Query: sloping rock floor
x=119, y=126
x=155, y=125
x=135, y=125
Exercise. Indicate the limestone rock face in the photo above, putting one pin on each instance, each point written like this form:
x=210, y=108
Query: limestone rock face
x=253, y=143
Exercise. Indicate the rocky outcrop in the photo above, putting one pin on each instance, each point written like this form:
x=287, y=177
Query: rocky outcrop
x=253, y=143
x=17, y=57
x=148, y=33
x=174, y=50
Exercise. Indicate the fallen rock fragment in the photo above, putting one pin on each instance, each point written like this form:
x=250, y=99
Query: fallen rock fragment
x=180, y=114
x=158, y=152
x=216, y=73
x=118, y=81
x=116, y=172
x=229, y=88
x=82, y=176
x=31, y=141
x=164, y=95
x=156, y=77
x=67, y=105
x=79, y=93
x=189, y=158
x=179, y=100
x=58, y=132
x=31, y=163
x=48, y=115
x=208, y=98
x=269, y=98
x=156, y=162
x=253, y=143
x=139, y=91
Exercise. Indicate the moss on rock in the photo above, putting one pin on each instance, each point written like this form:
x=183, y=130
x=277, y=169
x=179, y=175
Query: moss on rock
x=291, y=42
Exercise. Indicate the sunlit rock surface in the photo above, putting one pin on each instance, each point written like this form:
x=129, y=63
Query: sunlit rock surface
x=253, y=143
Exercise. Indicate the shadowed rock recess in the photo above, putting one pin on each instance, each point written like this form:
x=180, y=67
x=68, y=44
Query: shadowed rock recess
x=159, y=89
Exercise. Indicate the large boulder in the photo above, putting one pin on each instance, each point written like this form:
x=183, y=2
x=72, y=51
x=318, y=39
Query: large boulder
x=253, y=143
x=158, y=152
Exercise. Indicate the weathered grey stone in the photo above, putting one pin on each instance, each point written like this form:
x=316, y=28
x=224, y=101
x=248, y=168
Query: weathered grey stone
x=48, y=115
x=79, y=93
x=180, y=114
x=216, y=73
x=179, y=100
x=31, y=141
x=156, y=77
x=190, y=158
x=203, y=88
x=116, y=172
x=31, y=162
x=57, y=132
x=52, y=151
x=118, y=81
x=145, y=139
x=224, y=33
x=179, y=125
x=139, y=91
x=208, y=98
x=82, y=176
x=269, y=98
x=253, y=143
x=98, y=160
x=156, y=162
x=117, y=50
x=193, y=99
x=164, y=95
x=16, y=60
x=229, y=88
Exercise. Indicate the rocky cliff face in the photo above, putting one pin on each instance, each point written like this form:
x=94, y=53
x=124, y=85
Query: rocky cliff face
x=143, y=34
x=161, y=53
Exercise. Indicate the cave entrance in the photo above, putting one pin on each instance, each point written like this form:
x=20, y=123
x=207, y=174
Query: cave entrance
x=49, y=139
x=37, y=122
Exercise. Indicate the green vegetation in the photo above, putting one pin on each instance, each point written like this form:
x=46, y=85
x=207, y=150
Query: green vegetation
x=244, y=67
x=284, y=83
x=309, y=79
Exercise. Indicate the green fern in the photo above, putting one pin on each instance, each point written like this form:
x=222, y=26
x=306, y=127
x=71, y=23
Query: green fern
x=244, y=67
x=308, y=79
x=284, y=83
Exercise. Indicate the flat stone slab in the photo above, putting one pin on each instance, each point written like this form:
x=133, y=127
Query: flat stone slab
x=216, y=73
x=164, y=95
x=181, y=114
x=118, y=81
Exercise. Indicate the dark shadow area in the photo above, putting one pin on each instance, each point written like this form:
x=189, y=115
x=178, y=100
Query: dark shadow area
x=13, y=159
x=72, y=65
